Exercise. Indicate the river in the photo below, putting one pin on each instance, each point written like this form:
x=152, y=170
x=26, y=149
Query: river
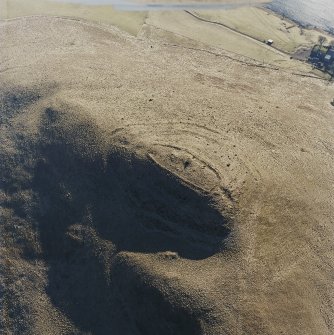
x=315, y=13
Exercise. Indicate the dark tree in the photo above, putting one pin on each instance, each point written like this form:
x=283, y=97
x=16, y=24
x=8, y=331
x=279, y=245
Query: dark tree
x=322, y=40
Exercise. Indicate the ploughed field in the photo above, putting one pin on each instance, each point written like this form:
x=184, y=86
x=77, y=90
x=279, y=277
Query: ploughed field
x=155, y=188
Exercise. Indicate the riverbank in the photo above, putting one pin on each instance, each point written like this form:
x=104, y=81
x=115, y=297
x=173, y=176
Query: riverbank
x=311, y=14
x=263, y=24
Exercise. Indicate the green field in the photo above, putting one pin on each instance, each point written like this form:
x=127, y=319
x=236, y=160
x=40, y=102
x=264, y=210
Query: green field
x=130, y=22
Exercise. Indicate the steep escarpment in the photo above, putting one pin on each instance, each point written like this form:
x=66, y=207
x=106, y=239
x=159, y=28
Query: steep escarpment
x=79, y=202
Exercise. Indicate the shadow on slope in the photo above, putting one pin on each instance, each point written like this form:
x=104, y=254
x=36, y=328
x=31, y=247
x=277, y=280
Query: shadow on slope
x=127, y=200
x=94, y=205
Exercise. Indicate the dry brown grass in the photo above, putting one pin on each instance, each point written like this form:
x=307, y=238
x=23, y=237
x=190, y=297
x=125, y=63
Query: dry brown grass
x=117, y=153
